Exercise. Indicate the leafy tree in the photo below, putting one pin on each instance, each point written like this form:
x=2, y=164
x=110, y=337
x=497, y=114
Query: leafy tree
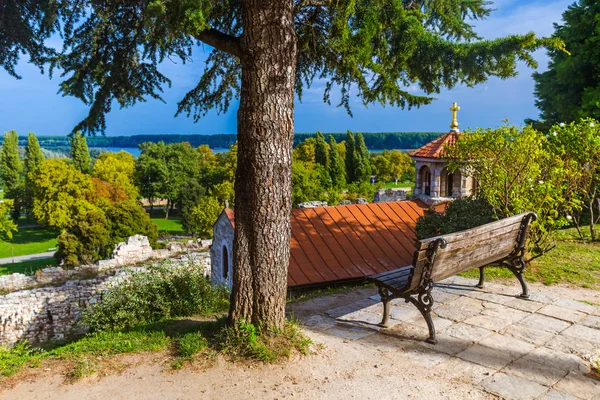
x=515, y=173
x=351, y=161
x=118, y=169
x=128, y=218
x=336, y=165
x=382, y=168
x=190, y=196
x=305, y=151
x=321, y=151
x=80, y=153
x=362, y=158
x=11, y=168
x=7, y=226
x=162, y=170
x=570, y=88
x=60, y=193
x=401, y=166
x=377, y=48
x=33, y=159
x=204, y=216
x=87, y=239
x=306, y=183
x=578, y=144
x=150, y=167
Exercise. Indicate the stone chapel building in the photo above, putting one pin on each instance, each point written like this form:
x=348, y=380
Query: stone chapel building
x=434, y=183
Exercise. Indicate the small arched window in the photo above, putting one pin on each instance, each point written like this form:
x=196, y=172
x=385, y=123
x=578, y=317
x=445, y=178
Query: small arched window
x=225, y=262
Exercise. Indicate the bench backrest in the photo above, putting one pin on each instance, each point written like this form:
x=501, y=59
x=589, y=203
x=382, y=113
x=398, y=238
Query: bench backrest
x=472, y=248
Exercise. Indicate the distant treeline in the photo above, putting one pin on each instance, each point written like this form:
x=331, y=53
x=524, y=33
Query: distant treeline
x=373, y=140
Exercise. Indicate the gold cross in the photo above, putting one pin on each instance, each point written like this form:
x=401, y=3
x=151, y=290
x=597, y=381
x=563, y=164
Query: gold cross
x=454, y=109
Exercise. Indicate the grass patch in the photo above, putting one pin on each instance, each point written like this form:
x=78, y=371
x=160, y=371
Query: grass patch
x=171, y=226
x=27, y=267
x=84, y=353
x=247, y=341
x=187, y=339
x=28, y=241
x=571, y=261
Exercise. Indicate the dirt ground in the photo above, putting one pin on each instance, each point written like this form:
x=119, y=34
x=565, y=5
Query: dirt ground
x=342, y=366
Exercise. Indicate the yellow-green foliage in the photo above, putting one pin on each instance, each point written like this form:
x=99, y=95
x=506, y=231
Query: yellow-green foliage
x=118, y=169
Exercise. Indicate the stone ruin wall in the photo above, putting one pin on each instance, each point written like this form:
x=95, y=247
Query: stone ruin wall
x=50, y=312
x=388, y=195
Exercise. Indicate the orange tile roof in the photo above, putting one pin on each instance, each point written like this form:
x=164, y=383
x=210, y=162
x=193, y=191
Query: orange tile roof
x=435, y=148
x=344, y=243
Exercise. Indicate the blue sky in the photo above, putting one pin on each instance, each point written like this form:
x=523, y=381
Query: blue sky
x=32, y=105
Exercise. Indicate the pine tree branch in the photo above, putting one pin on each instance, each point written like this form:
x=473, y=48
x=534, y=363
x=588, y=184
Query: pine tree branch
x=220, y=41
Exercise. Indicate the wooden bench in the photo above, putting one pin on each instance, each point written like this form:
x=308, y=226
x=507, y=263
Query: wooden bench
x=500, y=243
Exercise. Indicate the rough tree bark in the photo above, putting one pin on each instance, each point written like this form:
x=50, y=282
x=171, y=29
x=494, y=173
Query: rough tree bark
x=263, y=176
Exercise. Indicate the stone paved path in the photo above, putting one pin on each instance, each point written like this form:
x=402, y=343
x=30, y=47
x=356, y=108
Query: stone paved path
x=514, y=348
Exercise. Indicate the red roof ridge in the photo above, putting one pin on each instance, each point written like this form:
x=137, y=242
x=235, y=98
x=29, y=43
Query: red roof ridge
x=435, y=148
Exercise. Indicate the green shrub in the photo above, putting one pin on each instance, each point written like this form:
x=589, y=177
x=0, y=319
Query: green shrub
x=461, y=214
x=164, y=291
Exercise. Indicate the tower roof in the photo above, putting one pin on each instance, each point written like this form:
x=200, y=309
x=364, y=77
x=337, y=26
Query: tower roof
x=435, y=148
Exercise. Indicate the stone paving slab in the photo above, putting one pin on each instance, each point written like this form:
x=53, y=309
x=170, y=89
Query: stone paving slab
x=541, y=373
x=486, y=356
x=531, y=335
x=591, y=321
x=556, y=395
x=582, y=332
x=468, y=332
x=581, y=348
x=561, y=313
x=455, y=369
x=544, y=323
x=513, y=387
x=579, y=386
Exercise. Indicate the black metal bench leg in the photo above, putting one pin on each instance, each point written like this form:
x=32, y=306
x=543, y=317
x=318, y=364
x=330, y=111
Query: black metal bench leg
x=385, y=299
x=481, y=278
x=518, y=270
x=424, y=301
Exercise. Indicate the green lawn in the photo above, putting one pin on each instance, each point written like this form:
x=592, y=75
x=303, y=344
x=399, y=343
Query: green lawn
x=28, y=241
x=171, y=226
x=571, y=261
x=27, y=267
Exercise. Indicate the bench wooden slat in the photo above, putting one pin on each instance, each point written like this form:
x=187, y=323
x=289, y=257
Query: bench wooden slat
x=472, y=233
x=384, y=274
x=396, y=274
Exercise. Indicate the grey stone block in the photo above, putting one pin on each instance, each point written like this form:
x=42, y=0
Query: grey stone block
x=513, y=387
x=583, y=332
x=486, y=356
x=469, y=333
x=556, y=395
x=561, y=313
x=456, y=369
x=577, y=306
x=513, y=346
x=488, y=322
x=540, y=373
x=531, y=335
x=579, y=386
x=592, y=321
x=545, y=323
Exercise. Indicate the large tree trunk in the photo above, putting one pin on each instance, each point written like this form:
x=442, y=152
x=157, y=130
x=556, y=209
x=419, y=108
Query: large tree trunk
x=263, y=175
